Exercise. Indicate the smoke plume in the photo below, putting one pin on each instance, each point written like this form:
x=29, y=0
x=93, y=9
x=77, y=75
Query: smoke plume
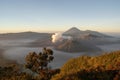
x=59, y=37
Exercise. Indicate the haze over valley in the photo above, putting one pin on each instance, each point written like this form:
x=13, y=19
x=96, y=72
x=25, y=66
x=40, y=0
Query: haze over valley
x=66, y=45
x=59, y=39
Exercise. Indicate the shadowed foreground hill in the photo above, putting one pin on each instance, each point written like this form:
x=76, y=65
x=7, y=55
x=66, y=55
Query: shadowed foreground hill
x=104, y=67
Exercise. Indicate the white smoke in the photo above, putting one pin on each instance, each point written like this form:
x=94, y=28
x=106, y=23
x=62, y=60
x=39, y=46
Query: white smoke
x=59, y=37
x=56, y=37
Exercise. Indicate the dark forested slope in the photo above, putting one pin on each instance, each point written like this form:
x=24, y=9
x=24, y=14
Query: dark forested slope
x=104, y=67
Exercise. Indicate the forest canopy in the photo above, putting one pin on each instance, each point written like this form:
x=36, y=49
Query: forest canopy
x=103, y=67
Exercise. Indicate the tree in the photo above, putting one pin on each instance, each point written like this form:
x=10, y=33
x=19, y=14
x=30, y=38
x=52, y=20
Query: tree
x=39, y=62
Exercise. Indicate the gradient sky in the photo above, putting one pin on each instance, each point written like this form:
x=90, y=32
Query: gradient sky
x=59, y=15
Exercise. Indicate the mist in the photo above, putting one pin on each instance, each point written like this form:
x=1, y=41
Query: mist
x=115, y=34
x=15, y=50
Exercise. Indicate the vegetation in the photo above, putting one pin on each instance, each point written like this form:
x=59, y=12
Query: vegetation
x=37, y=63
x=104, y=67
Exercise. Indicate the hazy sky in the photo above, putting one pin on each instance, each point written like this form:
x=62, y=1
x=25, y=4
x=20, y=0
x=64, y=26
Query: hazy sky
x=59, y=15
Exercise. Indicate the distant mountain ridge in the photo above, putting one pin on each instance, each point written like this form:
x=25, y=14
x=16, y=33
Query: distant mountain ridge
x=76, y=32
x=24, y=35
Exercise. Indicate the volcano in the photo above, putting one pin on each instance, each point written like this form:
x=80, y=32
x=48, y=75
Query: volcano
x=75, y=32
x=82, y=41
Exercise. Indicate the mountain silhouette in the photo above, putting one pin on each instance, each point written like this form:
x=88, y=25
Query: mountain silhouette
x=75, y=32
x=72, y=31
x=82, y=41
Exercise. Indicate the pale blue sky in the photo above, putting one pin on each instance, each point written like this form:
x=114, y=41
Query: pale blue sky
x=59, y=15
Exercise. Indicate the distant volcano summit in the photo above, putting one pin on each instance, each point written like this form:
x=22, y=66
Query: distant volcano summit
x=81, y=40
x=72, y=31
x=75, y=32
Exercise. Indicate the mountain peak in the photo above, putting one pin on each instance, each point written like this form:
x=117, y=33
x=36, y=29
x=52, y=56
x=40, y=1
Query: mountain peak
x=72, y=30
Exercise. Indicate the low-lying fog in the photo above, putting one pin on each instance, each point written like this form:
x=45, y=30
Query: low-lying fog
x=16, y=50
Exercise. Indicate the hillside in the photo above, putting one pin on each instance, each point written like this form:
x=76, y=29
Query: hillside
x=104, y=67
x=76, y=46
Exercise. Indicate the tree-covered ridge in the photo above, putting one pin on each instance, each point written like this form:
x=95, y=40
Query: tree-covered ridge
x=104, y=67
